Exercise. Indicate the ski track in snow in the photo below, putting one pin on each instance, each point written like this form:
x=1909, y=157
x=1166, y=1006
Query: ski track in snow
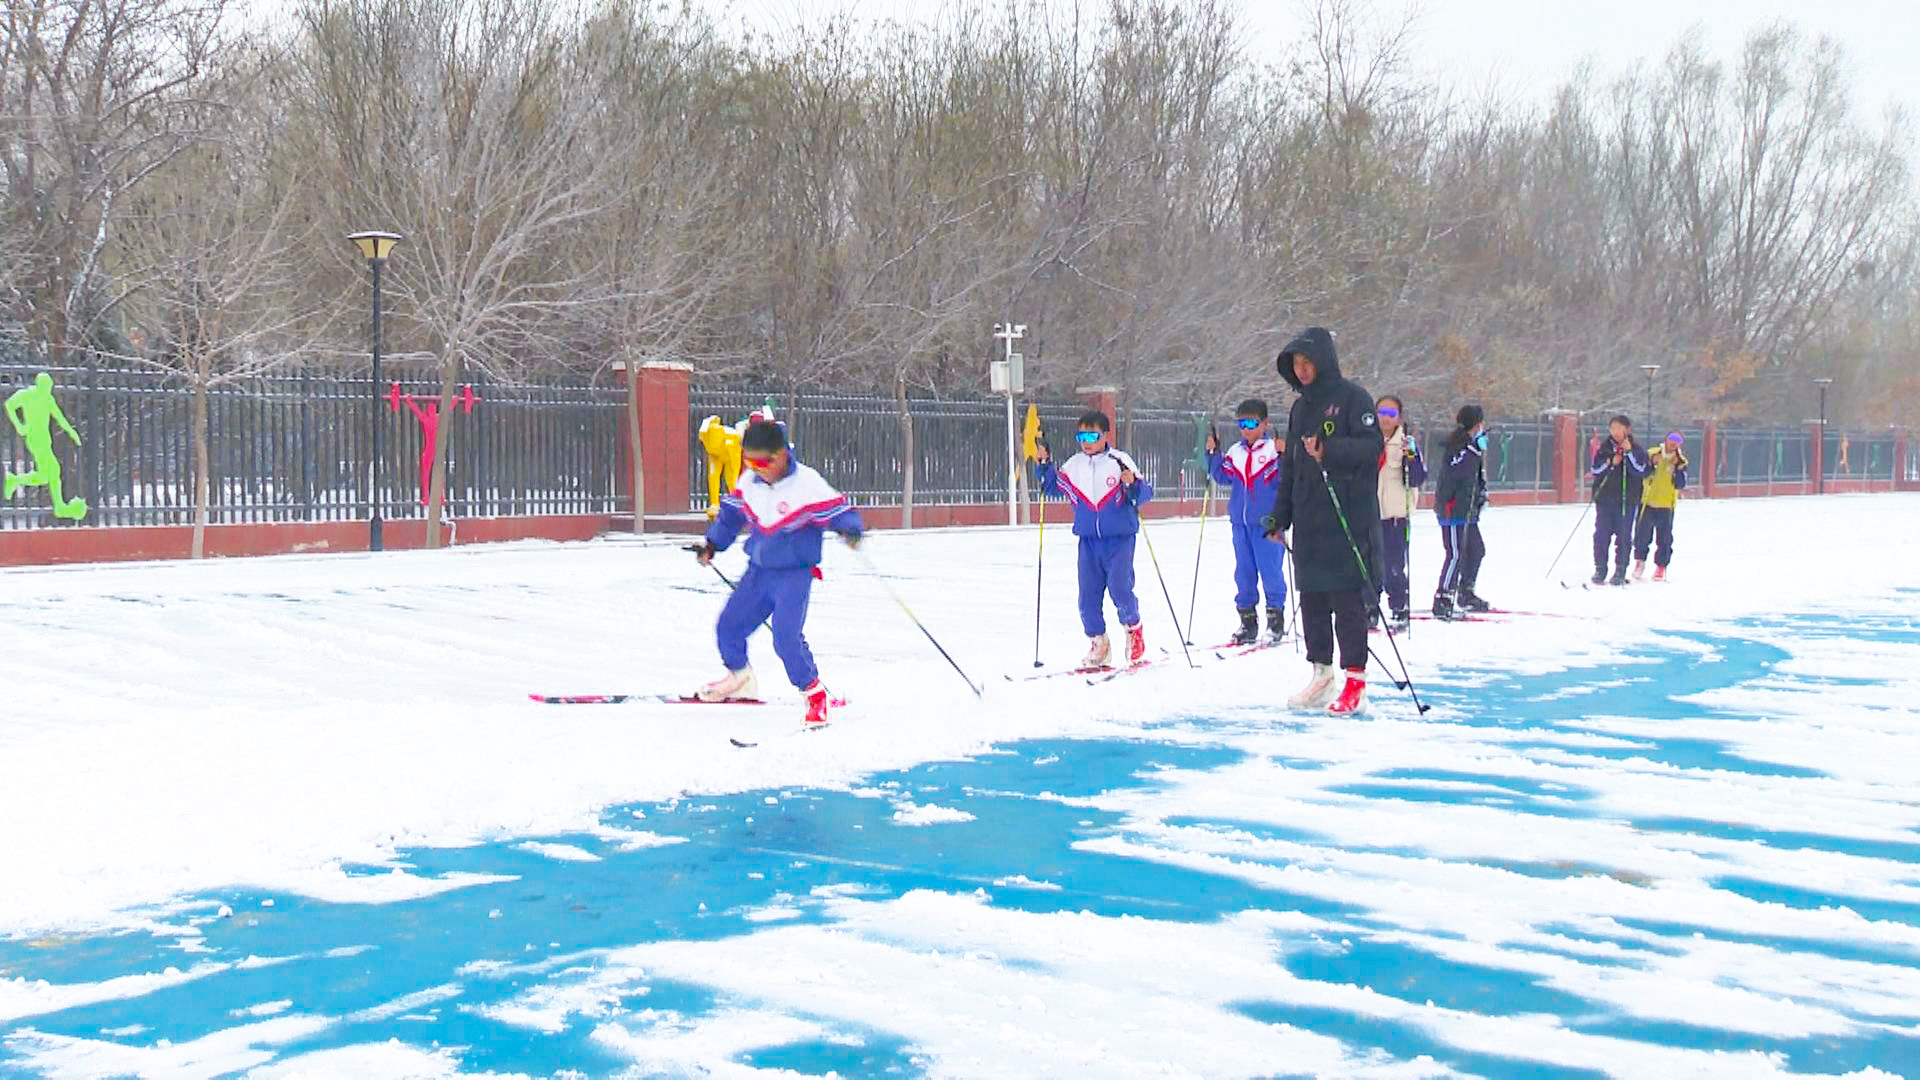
x=1677, y=833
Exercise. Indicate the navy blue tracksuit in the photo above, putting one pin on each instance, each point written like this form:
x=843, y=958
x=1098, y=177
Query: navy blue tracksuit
x=1616, y=501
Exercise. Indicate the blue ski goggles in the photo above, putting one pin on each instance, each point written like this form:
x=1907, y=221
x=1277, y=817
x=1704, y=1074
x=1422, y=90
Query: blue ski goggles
x=1248, y=423
x=1088, y=438
x=1388, y=411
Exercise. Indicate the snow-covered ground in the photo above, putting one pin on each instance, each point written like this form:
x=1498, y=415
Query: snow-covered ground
x=1663, y=830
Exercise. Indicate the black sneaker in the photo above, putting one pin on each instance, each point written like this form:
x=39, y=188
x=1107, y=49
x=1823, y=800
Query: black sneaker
x=1619, y=577
x=1249, y=631
x=1600, y=576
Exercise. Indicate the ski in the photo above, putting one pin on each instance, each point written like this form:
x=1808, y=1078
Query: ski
x=635, y=699
x=1095, y=670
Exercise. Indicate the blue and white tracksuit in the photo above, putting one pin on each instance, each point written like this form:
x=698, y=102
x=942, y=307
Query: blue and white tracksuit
x=786, y=521
x=1106, y=518
x=1251, y=472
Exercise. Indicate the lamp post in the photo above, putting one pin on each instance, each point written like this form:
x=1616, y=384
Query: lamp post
x=375, y=246
x=1650, y=369
x=1820, y=481
x=1007, y=376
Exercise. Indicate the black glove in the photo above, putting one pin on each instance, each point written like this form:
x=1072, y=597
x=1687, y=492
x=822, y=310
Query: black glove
x=704, y=551
x=852, y=537
x=1270, y=525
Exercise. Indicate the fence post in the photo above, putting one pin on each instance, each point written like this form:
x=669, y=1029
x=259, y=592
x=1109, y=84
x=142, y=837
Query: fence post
x=1709, y=456
x=1899, y=461
x=666, y=442
x=1102, y=399
x=1566, y=455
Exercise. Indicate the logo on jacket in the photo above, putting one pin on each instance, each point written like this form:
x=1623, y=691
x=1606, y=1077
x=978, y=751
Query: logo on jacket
x=1367, y=420
x=1113, y=481
x=782, y=508
x=1327, y=427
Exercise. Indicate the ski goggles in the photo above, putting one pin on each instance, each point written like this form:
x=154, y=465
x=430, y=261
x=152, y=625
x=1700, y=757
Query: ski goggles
x=1388, y=411
x=758, y=462
x=1088, y=438
x=1248, y=423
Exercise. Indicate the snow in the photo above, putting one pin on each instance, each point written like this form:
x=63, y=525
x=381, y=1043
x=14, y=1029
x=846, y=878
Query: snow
x=297, y=727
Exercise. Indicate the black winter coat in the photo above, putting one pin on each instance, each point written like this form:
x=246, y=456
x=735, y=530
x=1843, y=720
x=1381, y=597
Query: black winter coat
x=1341, y=414
x=1623, y=481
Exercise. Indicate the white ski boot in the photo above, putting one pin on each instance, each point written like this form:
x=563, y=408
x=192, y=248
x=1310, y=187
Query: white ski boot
x=1098, y=651
x=734, y=686
x=1320, y=691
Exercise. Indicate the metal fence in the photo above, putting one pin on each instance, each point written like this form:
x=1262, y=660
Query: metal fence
x=960, y=446
x=299, y=448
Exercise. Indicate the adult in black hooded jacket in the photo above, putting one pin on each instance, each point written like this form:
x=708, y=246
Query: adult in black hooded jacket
x=1332, y=438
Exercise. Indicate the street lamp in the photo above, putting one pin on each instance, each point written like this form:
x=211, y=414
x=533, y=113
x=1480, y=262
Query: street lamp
x=1650, y=369
x=1820, y=481
x=375, y=246
x=1007, y=375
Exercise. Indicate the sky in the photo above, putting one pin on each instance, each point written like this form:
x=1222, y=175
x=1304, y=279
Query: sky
x=1528, y=46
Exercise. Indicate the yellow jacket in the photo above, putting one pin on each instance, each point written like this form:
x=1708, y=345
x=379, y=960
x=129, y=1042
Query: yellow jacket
x=1669, y=475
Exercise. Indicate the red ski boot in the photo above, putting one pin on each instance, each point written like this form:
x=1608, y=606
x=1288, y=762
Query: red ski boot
x=1659, y=573
x=816, y=704
x=1136, y=643
x=1353, y=699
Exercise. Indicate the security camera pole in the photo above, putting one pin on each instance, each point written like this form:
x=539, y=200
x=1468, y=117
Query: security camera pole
x=1007, y=375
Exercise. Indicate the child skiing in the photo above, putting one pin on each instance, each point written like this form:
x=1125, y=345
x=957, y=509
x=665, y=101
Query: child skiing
x=1619, y=471
x=1657, y=503
x=1106, y=489
x=1458, y=499
x=788, y=507
x=1251, y=470
x=1402, y=471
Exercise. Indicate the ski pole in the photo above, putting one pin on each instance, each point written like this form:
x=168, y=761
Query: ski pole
x=1206, y=504
x=1576, y=532
x=697, y=549
x=1039, y=567
x=871, y=569
x=1366, y=577
x=1164, y=591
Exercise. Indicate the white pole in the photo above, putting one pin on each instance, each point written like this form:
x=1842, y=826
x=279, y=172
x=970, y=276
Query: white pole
x=1009, y=333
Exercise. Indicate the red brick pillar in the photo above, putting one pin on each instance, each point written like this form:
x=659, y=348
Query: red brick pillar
x=1103, y=398
x=1816, y=456
x=1709, y=458
x=1899, y=461
x=1568, y=461
x=666, y=439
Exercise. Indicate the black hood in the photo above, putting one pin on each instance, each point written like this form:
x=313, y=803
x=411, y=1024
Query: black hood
x=1317, y=343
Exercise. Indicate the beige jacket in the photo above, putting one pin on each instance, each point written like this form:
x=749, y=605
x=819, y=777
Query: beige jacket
x=1393, y=486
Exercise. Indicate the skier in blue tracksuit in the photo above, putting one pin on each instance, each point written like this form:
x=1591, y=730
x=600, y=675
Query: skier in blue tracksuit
x=1251, y=471
x=1106, y=489
x=788, y=508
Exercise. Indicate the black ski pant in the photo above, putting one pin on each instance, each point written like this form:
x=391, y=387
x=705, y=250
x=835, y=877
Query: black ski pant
x=1465, y=550
x=1393, y=563
x=1612, y=527
x=1327, y=615
x=1655, y=531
